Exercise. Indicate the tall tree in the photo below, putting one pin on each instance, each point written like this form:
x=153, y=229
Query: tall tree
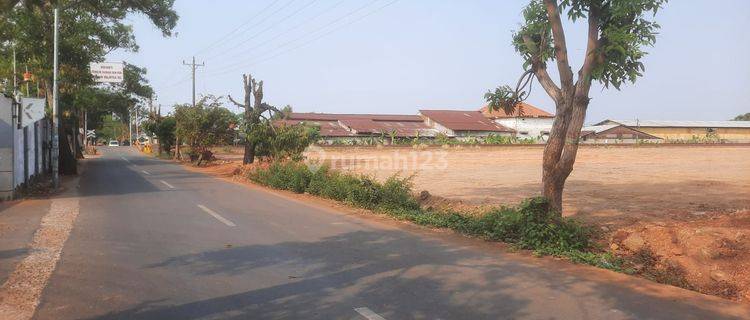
x=742, y=117
x=89, y=30
x=617, y=32
x=254, y=127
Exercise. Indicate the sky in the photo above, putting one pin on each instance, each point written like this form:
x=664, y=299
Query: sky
x=399, y=56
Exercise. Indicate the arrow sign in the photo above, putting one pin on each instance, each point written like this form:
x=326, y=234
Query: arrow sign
x=90, y=133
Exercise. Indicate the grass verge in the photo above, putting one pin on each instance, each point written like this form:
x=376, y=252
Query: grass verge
x=530, y=225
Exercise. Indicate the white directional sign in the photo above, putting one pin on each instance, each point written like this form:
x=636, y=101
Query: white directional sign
x=32, y=110
x=90, y=134
x=111, y=72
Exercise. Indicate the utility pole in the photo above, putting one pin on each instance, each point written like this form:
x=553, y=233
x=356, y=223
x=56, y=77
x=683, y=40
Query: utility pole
x=193, y=65
x=55, y=138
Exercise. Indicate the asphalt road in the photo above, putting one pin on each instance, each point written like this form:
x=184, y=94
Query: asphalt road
x=155, y=241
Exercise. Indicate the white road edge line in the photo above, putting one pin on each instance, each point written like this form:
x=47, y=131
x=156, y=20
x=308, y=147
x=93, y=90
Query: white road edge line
x=369, y=314
x=167, y=184
x=146, y=172
x=217, y=216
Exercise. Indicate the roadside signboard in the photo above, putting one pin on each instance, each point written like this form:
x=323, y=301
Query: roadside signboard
x=90, y=134
x=32, y=110
x=110, y=72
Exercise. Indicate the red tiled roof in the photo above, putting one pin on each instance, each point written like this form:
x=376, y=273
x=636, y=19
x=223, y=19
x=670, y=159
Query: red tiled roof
x=526, y=111
x=463, y=120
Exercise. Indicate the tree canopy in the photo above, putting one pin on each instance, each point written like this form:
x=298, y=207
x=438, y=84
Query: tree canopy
x=617, y=33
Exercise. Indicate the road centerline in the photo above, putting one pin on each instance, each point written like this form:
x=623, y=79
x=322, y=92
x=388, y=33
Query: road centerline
x=217, y=216
x=167, y=184
x=369, y=314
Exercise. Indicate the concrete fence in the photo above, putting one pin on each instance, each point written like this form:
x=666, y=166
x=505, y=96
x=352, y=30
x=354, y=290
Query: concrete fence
x=24, y=143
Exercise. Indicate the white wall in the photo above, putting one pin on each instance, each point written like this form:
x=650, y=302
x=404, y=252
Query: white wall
x=527, y=127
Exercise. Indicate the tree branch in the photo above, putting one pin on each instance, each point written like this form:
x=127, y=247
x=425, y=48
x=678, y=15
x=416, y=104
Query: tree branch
x=592, y=48
x=540, y=70
x=561, y=49
x=235, y=102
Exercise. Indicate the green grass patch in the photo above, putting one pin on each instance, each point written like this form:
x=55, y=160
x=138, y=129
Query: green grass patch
x=530, y=225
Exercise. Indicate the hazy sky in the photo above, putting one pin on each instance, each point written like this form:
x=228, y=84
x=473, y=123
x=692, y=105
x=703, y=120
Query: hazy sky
x=386, y=56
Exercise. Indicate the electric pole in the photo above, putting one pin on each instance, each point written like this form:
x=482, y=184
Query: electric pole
x=193, y=65
x=55, y=137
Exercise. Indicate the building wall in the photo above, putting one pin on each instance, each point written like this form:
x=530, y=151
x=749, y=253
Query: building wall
x=527, y=127
x=6, y=148
x=675, y=133
x=440, y=128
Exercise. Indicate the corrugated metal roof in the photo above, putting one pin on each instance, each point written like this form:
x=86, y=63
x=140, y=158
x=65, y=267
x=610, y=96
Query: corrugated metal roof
x=327, y=128
x=597, y=129
x=525, y=111
x=457, y=120
x=680, y=124
x=353, y=125
x=341, y=116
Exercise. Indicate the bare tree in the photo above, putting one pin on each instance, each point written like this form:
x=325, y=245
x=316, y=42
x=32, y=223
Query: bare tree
x=253, y=114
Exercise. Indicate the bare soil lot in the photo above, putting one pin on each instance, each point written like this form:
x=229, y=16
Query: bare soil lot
x=608, y=184
x=683, y=211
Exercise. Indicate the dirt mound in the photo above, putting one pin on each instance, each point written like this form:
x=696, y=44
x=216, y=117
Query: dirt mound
x=710, y=253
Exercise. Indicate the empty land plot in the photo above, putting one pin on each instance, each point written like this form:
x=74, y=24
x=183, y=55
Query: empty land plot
x=623, y=184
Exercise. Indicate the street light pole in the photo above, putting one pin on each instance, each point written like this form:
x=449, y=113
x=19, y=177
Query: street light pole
x=55, y=143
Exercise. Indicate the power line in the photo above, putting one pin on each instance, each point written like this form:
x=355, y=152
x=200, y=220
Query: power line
x=217, y=42
x=229, y=34
x=257, y=24
x=287, y=30
x=233, y=67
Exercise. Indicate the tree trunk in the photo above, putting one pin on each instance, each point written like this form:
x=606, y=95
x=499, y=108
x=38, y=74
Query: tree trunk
x=249, y=153
x=177, y=155
x=562, y=147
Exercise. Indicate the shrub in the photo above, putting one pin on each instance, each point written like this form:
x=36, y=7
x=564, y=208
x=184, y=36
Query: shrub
x=531, y=225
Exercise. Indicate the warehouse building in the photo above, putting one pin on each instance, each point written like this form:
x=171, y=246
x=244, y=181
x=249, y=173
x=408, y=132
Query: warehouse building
x=686, y=131
x=615, y=133
x=528, y=121
x=463, y=124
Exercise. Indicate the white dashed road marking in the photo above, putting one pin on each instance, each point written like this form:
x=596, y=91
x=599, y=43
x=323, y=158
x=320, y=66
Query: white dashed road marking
x=217, y=216
x=146, y=172
x=369, y=314
x=126, y=160
x=167, y=184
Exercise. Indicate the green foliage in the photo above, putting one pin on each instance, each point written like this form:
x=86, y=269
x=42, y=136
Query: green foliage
x=742, y=117
x=205, y=125
x=284, y=141
x=531, y=225
x=163, y=128
x=360, y=191
x=625, y=27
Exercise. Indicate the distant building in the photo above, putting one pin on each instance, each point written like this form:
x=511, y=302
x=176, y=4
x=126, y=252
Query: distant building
x=731, y=131
x=358, y=126
x=463, y=124
x=615, y=133
x=528, y=121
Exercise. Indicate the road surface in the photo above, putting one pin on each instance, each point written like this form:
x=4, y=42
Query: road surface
x=155, y=241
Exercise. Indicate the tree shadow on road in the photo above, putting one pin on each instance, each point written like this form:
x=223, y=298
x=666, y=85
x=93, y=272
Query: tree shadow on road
x=400, y=276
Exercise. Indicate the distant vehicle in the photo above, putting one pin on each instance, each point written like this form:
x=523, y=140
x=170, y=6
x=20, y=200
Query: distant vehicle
x=114, y=143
